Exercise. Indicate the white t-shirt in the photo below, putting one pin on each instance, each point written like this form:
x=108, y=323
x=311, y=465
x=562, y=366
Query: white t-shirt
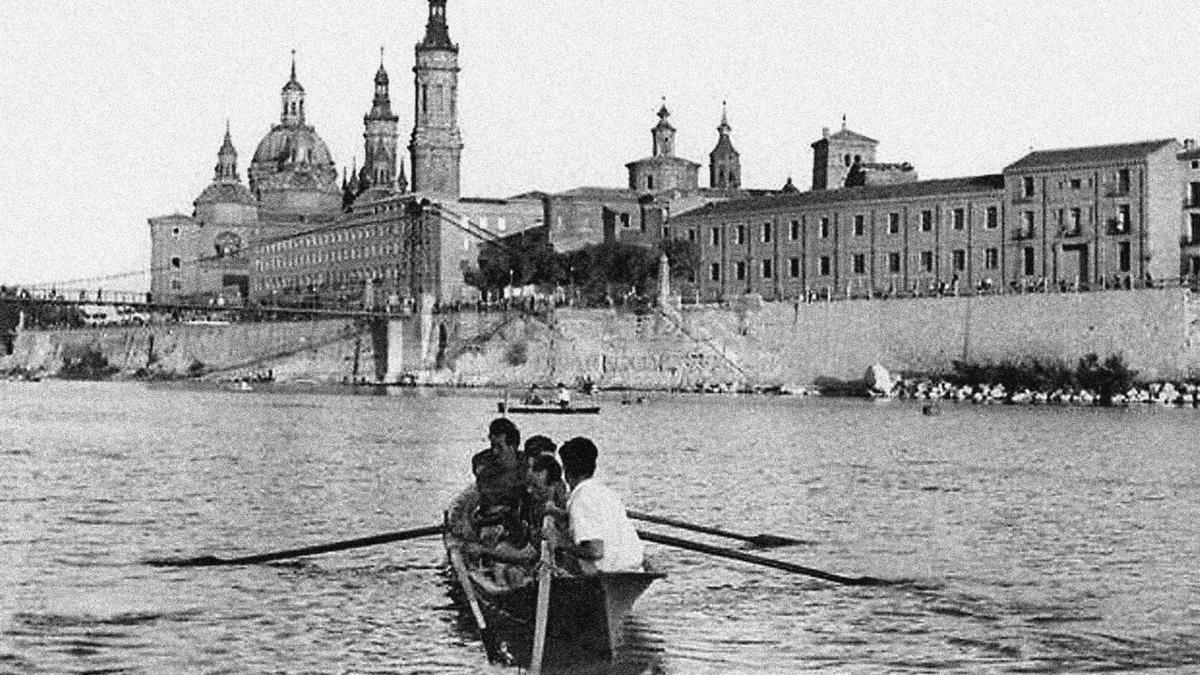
x=596, y=512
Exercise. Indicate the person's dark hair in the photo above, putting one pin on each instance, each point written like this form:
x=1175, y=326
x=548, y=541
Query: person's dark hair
x=579, y=457
x=548, y=464
x=506, y=428
x=539, y=445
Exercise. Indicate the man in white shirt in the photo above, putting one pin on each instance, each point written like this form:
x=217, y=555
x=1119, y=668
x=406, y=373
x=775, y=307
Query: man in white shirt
x=602, y=537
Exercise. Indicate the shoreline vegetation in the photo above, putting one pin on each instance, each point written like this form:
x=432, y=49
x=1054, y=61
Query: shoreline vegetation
x=1091, y=381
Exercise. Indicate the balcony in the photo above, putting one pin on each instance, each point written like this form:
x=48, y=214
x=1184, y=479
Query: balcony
x=1116, y=191
x=1075, y=231
x=1022, y=234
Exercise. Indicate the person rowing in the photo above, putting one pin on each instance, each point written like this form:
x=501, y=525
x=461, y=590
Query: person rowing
x=602, y=538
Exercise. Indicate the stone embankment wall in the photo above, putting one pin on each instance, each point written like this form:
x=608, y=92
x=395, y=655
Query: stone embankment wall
x=786, y=343
x=319, y=350
x=752, y=344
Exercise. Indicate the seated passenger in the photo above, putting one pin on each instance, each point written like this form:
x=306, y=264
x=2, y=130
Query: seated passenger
x=500, y=474
x=547, y=495
x=564, y=396
x=531, y=397
x=601, y=535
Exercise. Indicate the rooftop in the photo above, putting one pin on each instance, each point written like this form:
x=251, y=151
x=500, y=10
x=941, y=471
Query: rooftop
x=924, y=188
x=1095, y=154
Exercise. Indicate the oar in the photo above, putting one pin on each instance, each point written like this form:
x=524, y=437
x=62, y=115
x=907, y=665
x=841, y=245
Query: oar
x=210, y=561
x=759, y=560
x=760, y=540
x=545, y=574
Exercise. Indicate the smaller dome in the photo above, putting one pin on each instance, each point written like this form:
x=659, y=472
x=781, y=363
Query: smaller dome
x=225, y=193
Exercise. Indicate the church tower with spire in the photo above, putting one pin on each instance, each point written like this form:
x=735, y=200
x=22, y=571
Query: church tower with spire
x=436, y=144
x=724, y=162
x=381, y=133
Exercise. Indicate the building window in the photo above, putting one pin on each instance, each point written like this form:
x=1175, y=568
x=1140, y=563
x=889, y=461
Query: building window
x=860, y=263
x=176, y=262
x=741, y=234
x=766, y=233
x=960, y=260
x=1195, y=227
x=927, y=261
x=993, y=218
x=795, y=230
x=715, y=238
x=927, y=220
x=825, y=227
x=623, y=216
x=1076, y=183
x=1123, y=181
x=766, y=268
x=1123, y=258
x=894, y=263
x=649, y=182
x=824, y=265
x=692, y=235
x=1027, y=220
x=1193, y=195
x=860, y=225
x=1027, y=187
x=1075, y=226
x=794, y=267
x=666, y=233
x=991, y=258
x=740, y=270
x=893, y=223
x=715, y=272
x=960, y=219
x=176, y=285
x=175, y=230
x=1027, y=261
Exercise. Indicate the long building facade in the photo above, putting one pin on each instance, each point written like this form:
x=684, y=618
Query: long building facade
x=1083, y=218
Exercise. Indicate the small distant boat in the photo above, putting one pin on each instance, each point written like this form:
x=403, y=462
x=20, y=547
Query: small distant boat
x=547, y=409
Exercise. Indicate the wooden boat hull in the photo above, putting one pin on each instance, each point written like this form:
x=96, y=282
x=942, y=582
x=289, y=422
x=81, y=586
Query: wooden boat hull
x=547, y=409
x=585, y=619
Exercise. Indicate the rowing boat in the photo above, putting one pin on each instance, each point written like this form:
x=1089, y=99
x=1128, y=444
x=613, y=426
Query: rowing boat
x=585, y=618
x=548, y=409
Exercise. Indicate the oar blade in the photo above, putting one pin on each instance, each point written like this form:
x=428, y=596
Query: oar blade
x=201, y=561
x=775, y=541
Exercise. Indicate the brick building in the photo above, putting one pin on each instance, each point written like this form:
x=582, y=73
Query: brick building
x=1090, y=217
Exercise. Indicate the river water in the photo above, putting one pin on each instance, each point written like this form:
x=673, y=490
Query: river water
x=1023, y=539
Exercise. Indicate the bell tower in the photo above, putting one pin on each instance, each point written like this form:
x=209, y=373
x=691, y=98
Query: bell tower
x=381, y=133
x=724, y=162
x=436, y=144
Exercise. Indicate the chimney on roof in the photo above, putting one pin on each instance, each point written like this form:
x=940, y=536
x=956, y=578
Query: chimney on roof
x=1189, y=144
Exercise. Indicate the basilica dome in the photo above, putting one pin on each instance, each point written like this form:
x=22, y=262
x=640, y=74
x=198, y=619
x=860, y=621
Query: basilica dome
x=286, y=144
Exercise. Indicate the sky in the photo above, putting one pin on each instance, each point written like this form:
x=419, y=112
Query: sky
x=112, y=112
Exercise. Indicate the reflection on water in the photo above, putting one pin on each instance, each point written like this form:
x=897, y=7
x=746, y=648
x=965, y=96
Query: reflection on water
x=1021, y=539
